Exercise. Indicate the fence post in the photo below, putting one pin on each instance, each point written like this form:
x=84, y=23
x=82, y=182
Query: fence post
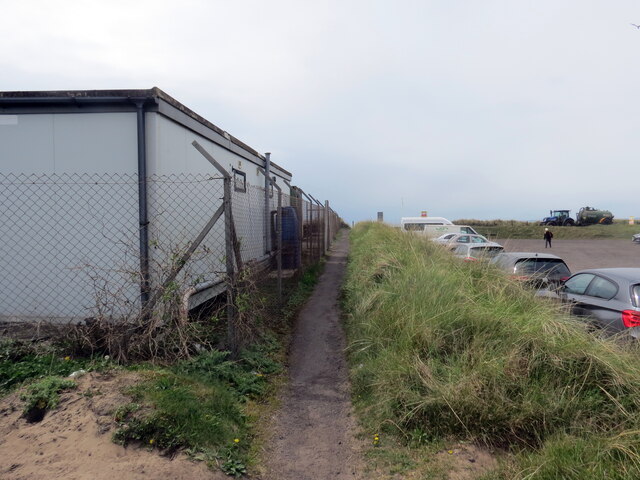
x=267, y=203
x=279, y=234
x=296, y=199
x=310, y=225
x=320, y=225
x=232, y=339
x=299, y=213
x=327, y=237
x=228, y=240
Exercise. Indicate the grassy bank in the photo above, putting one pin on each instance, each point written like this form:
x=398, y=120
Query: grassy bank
x=443, y=350
x=516, y=229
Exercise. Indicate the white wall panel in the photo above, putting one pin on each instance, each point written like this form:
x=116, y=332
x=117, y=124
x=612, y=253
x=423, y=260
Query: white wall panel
x=69, y=143
x=26, y=144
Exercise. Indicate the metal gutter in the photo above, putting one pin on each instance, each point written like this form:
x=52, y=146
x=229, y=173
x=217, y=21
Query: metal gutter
x=143, y=216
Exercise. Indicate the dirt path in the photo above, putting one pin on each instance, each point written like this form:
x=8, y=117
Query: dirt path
x=313, y=432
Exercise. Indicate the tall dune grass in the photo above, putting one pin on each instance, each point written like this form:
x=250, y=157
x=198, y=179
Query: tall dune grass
x=445, y=349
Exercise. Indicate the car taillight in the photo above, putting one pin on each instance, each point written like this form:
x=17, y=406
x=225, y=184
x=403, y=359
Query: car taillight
x=519, y=277
x=470, y=259
x=564, y=279
x=631, y=318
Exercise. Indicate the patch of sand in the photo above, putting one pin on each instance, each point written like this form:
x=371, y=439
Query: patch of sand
x=74, y=440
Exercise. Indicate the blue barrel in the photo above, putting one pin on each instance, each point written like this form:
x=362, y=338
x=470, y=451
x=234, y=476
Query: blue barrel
x=291, y=253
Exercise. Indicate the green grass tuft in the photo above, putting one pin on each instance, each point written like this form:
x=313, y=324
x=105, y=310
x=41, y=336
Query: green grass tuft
x=42, y=396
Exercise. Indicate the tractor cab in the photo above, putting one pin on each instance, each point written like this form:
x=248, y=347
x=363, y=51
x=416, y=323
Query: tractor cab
x=558, y=217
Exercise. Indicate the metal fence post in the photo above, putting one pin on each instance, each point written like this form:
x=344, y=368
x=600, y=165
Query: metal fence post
x=232, y=339
x=327, y=237
x=320, y=233
x=228, y=240
x=279, y=234
x=267, y=203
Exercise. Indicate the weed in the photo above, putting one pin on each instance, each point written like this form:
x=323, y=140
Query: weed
x=20, y=361
x=42, y=396
x=234, y=468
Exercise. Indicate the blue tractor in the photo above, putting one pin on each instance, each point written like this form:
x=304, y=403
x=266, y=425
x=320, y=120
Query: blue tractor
x=558, y=217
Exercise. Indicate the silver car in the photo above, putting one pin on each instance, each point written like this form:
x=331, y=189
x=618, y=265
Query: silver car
x=608, y=298
x=636, y=238
x=472, y=252
x=464, y=238
x=535, y=270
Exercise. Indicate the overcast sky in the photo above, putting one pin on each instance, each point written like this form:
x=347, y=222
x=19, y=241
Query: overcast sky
x=464, y=108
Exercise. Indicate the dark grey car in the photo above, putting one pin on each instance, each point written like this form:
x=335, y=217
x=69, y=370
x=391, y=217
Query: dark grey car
x=607, y=297
x=537, y=270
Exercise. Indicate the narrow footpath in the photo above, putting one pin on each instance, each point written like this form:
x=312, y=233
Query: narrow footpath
x=313, y=432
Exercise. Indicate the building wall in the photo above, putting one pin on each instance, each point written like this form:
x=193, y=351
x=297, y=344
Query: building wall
x=69, y=198
x=69, y=217
x=68, y=143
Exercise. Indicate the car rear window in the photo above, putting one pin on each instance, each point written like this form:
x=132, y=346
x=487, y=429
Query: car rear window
x=478, y=239
x=537, y=266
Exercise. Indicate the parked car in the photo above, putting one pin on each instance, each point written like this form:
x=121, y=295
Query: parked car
x=537, y=270
x=465, y=238
x=636, y=238
x=472, y=252
x=609, y=298
x=444, y=239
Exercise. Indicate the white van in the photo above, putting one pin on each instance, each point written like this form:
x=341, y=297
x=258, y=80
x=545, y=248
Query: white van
x=434, y=231
x=417, y=224
x=433, y=227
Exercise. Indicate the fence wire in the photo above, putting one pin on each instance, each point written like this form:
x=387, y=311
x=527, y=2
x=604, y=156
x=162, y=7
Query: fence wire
x=70, y=245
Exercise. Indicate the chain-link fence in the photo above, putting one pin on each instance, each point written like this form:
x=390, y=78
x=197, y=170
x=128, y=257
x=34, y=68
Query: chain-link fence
x=75, y=246
x=71, y=243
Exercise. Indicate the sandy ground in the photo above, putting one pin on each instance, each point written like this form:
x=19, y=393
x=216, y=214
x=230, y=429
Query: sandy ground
x=73, y=442
x=583, y=253
x=314, y=431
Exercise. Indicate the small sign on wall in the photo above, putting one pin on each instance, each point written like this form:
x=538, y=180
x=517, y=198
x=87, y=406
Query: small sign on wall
x=8, y=119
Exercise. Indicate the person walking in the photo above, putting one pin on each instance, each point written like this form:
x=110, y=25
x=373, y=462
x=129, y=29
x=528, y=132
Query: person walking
x=548, y=235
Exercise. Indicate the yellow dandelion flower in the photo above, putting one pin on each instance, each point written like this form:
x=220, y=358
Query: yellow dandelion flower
x=67, y=358
x=236, y=440
x=151, y=442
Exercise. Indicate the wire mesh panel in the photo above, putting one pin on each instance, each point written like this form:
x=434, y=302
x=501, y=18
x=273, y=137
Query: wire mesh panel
x=180, y=207
x=249, y=218
x=70, y=244
x=66, y=239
